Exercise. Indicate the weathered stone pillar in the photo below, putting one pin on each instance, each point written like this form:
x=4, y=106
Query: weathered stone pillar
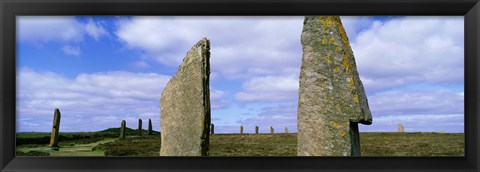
x=241, y=129
x=256, y=129
x=286, y=130
x=212, y=129
x=122, y=129
x=149, y=132
x=185, y=106
x=272, y=131
x=55, y=129
x=140, y=127
x=400, y=128
x=332, y=100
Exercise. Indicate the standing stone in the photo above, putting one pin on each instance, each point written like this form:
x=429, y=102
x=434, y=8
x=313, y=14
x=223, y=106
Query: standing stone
x=286, y=130
x=55, y=129
x=256, y=129
x=212, y=128
x=185, y=106
x=332, y=99
x=140, y=127
x=149, y=132
x=241, y=129
x=271, y=130
x=400, y=128
x=122, y=129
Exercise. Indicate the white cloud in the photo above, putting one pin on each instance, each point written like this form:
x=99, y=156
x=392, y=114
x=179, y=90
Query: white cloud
x=240, y=46
x=95, y=29
x=416, y=102
x=101, y=95
x=71, y=50
x=39, y=29
x=269, y=89
x=408, y=50
x=42, y=29
x=216, y=99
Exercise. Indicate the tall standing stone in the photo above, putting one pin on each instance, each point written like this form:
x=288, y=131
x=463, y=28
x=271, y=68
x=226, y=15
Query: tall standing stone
x=286, y=130
x=140, y=127
x=272, y=131
x=55, y=129
x=400, y=128
x=212, y=129
x=149, y=132
x=241, y=129
x=122, y=129
x=256, y=129
x=185, y=106
x=332, y=99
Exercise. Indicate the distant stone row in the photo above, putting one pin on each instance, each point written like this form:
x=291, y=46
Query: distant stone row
x=56, y=129
x=124, y=124
x=272, y=130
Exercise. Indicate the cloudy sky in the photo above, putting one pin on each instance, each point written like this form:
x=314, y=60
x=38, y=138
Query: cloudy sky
x=101, y=70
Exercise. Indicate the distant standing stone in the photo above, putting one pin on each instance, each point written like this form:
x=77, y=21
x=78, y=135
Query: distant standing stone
x=241, y=129
x=212, y=129
x=185, y=106
x=272, y=131
x=149, y=132
x=140, y=127
x=122, y=129
x=256, y=129
x=286, y=130
x=400, y=128
x=55, y=129
x=332, y=99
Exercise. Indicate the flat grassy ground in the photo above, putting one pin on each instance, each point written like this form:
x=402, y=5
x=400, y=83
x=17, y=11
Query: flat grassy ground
x=372, y=144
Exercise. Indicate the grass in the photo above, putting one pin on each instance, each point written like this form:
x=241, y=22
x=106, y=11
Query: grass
x=412, y=144
x=372, y=144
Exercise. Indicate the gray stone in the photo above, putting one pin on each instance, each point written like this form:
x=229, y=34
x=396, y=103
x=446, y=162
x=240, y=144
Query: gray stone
x=400, y=128
x=212, y=129
x=256, y=129
x=241, y=129
x=140, y=127
x=272, y=131
x=122, y=129
x=286, y=130
x=55, y=129
x=185, y=106
x=149, y=132
x=332, y=100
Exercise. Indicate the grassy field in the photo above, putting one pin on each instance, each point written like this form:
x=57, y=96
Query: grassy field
x=372, y=144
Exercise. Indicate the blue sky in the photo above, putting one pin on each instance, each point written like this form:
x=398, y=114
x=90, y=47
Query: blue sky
x=101, y=70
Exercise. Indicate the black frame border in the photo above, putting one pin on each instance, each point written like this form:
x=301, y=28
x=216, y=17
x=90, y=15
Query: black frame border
x=470, y=9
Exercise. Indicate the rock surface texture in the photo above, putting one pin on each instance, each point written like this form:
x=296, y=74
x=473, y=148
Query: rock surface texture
x=185, y=106
x=332, y=99
x=55, y=129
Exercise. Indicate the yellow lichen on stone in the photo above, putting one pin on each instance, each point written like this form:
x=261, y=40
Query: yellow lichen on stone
x=334, y=124
x=324, y=40
x=337, y=49
x=337, y=106
x=330, y=98
x=329, y=61
x=332, y=40
x=342, y=133
x=351, y=81
x=345, y=63
x=337, y=70
x=355, y=98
